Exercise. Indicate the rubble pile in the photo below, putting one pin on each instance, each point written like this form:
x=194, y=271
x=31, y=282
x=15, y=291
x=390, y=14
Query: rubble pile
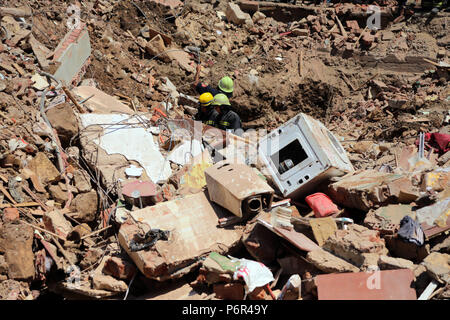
x=109, y=189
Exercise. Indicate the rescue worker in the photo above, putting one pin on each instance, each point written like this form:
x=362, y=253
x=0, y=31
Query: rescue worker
x=206, y=113
x=225, y=86
x=227, y=120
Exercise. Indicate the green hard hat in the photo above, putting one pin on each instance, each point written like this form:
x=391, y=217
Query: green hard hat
x=220, y=100
x=226, y=84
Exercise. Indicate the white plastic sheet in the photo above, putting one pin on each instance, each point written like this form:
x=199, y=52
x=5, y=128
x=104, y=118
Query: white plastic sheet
x=255, y=274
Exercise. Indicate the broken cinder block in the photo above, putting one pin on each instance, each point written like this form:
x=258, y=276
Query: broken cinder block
x=327, y=262
x=235, y=14
x=351, y=243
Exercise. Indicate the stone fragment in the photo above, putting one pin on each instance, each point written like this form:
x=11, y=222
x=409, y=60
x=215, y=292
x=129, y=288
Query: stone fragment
x=10, y=214
x=438, y=266
x=82, y=181
x=258, y=16
x=16, y=240
x=55, y=222
x=323, y=228
x=58, y=194
x=235, y=14
x=329, y=263
x=390, y=263
x=64, y=121
x=78, y=232
x=44, y=169
x=351, y=243
x=103, y=282
x=85, y=205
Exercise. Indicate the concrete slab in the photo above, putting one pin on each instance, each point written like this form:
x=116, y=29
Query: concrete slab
x=72, y=53
x=189, y=239
x=119, y=134
x=100, y=102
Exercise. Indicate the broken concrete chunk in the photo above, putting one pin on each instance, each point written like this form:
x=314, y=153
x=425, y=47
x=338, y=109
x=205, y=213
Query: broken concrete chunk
x=85, y=205
x=258, y=16
x=82, y=181
x=362, y=190
x=403, y=190
x=328, y=262
x=16, y=240
x=156, y=47
x=78, y=232
x=438, y=266
x=387, y=35
x=72, y=54
x=91, y=256
x=58, y=194
x=109, y=153
x=188, y=239
x=387, y=219
x=64, y=121
x=390, y=263
x=323, y=228
x=44, y=169
x=350, y=244
x=55, y=222
x=39, y=82
x=102, y=282
x=235, y=14
x=406, y=250
x=436, y=180
x=100, y=102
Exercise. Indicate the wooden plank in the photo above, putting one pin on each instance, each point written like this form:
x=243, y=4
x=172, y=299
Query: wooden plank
x=20, y=205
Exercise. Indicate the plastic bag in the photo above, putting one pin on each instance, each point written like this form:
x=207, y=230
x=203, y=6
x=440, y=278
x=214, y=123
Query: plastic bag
x=255, y=274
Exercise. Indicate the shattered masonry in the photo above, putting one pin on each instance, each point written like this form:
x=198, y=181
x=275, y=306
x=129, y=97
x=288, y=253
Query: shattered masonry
x=110, y=190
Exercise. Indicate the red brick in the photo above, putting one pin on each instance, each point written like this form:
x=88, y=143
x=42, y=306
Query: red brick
x=10, y=214
x=119, y=268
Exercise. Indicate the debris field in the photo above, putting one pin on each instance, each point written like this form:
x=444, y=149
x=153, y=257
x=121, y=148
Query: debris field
x=338, y=188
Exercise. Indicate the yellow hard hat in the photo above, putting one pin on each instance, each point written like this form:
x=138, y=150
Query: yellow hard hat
x=205, y=99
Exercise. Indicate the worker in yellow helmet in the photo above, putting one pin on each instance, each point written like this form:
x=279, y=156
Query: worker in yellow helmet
x=206, y=113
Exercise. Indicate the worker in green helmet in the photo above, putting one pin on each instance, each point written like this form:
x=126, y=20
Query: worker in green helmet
x=225, y=86
x=227, y=120
x=434, y=5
